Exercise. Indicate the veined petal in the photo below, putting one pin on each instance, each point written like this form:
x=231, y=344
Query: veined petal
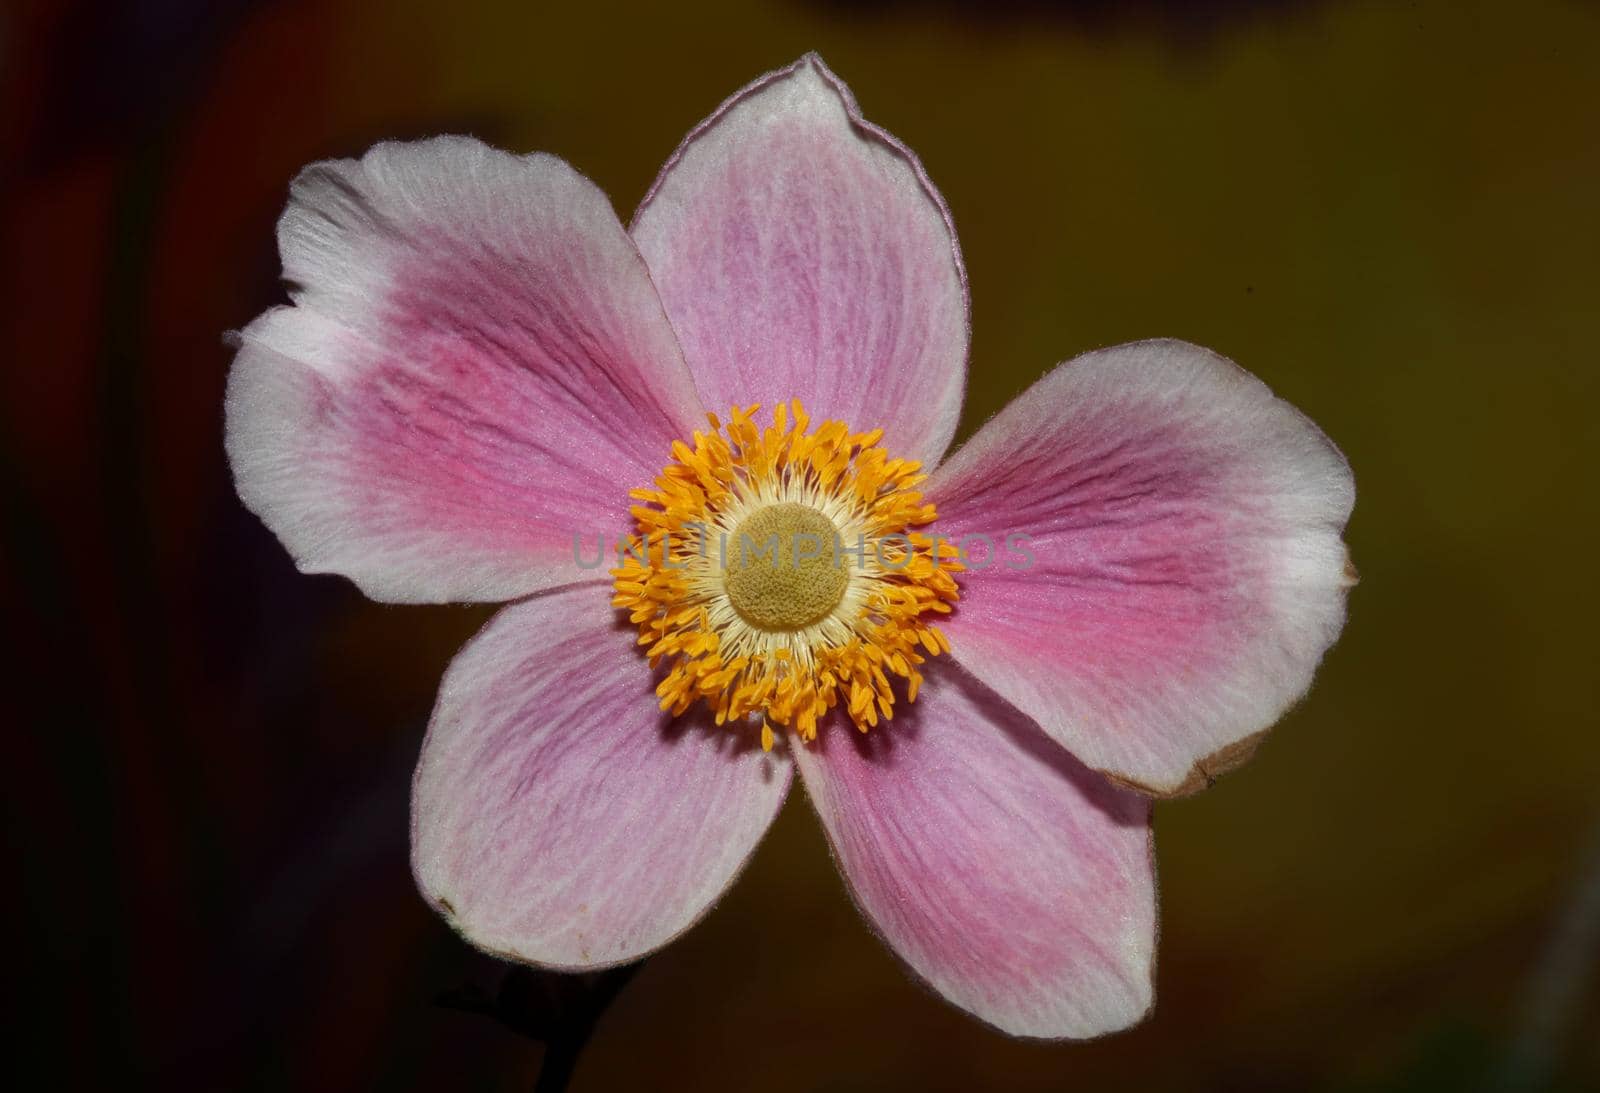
x=1187, y=570
x=801, y=252
x=1017, y=883
x=558, y=817
x=474, y=361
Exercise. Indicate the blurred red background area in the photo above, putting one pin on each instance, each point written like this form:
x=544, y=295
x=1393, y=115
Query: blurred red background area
x=1386, y=211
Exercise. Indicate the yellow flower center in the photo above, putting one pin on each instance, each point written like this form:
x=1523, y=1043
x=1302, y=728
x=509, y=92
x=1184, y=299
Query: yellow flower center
x=785, y=570
x=776, y=574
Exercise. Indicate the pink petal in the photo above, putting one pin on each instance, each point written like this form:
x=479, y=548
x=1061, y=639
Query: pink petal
x=1188, y=573
x=802, y=253
x=476, y=368
x=1016, y=883
x=558, y=817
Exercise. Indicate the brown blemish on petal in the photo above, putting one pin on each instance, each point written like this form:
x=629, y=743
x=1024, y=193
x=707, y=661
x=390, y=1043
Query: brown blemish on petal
x=1351, y=577
x=1202, y=775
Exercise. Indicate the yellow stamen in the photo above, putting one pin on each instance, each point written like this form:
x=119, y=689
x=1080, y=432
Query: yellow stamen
x=776, y=572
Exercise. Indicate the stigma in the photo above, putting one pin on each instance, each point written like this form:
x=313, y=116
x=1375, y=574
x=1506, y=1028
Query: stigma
x=778, y=572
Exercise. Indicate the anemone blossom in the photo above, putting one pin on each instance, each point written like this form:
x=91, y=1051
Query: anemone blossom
x=1105, y=596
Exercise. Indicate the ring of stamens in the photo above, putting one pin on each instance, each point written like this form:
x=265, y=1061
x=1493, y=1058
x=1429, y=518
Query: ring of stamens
x=778, y=572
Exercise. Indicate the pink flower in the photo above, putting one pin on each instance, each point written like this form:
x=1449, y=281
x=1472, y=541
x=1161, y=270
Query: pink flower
x=482, y=365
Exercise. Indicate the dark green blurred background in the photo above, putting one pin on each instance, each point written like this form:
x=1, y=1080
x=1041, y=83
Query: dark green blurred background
x=1388, y=211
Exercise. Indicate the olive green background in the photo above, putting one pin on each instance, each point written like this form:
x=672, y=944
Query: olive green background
x=1386, y=211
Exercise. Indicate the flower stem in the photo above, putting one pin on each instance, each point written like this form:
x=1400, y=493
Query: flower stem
x=555, y=1009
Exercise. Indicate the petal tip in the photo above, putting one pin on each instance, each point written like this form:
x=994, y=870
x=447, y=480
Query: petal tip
x=1120, y=1015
